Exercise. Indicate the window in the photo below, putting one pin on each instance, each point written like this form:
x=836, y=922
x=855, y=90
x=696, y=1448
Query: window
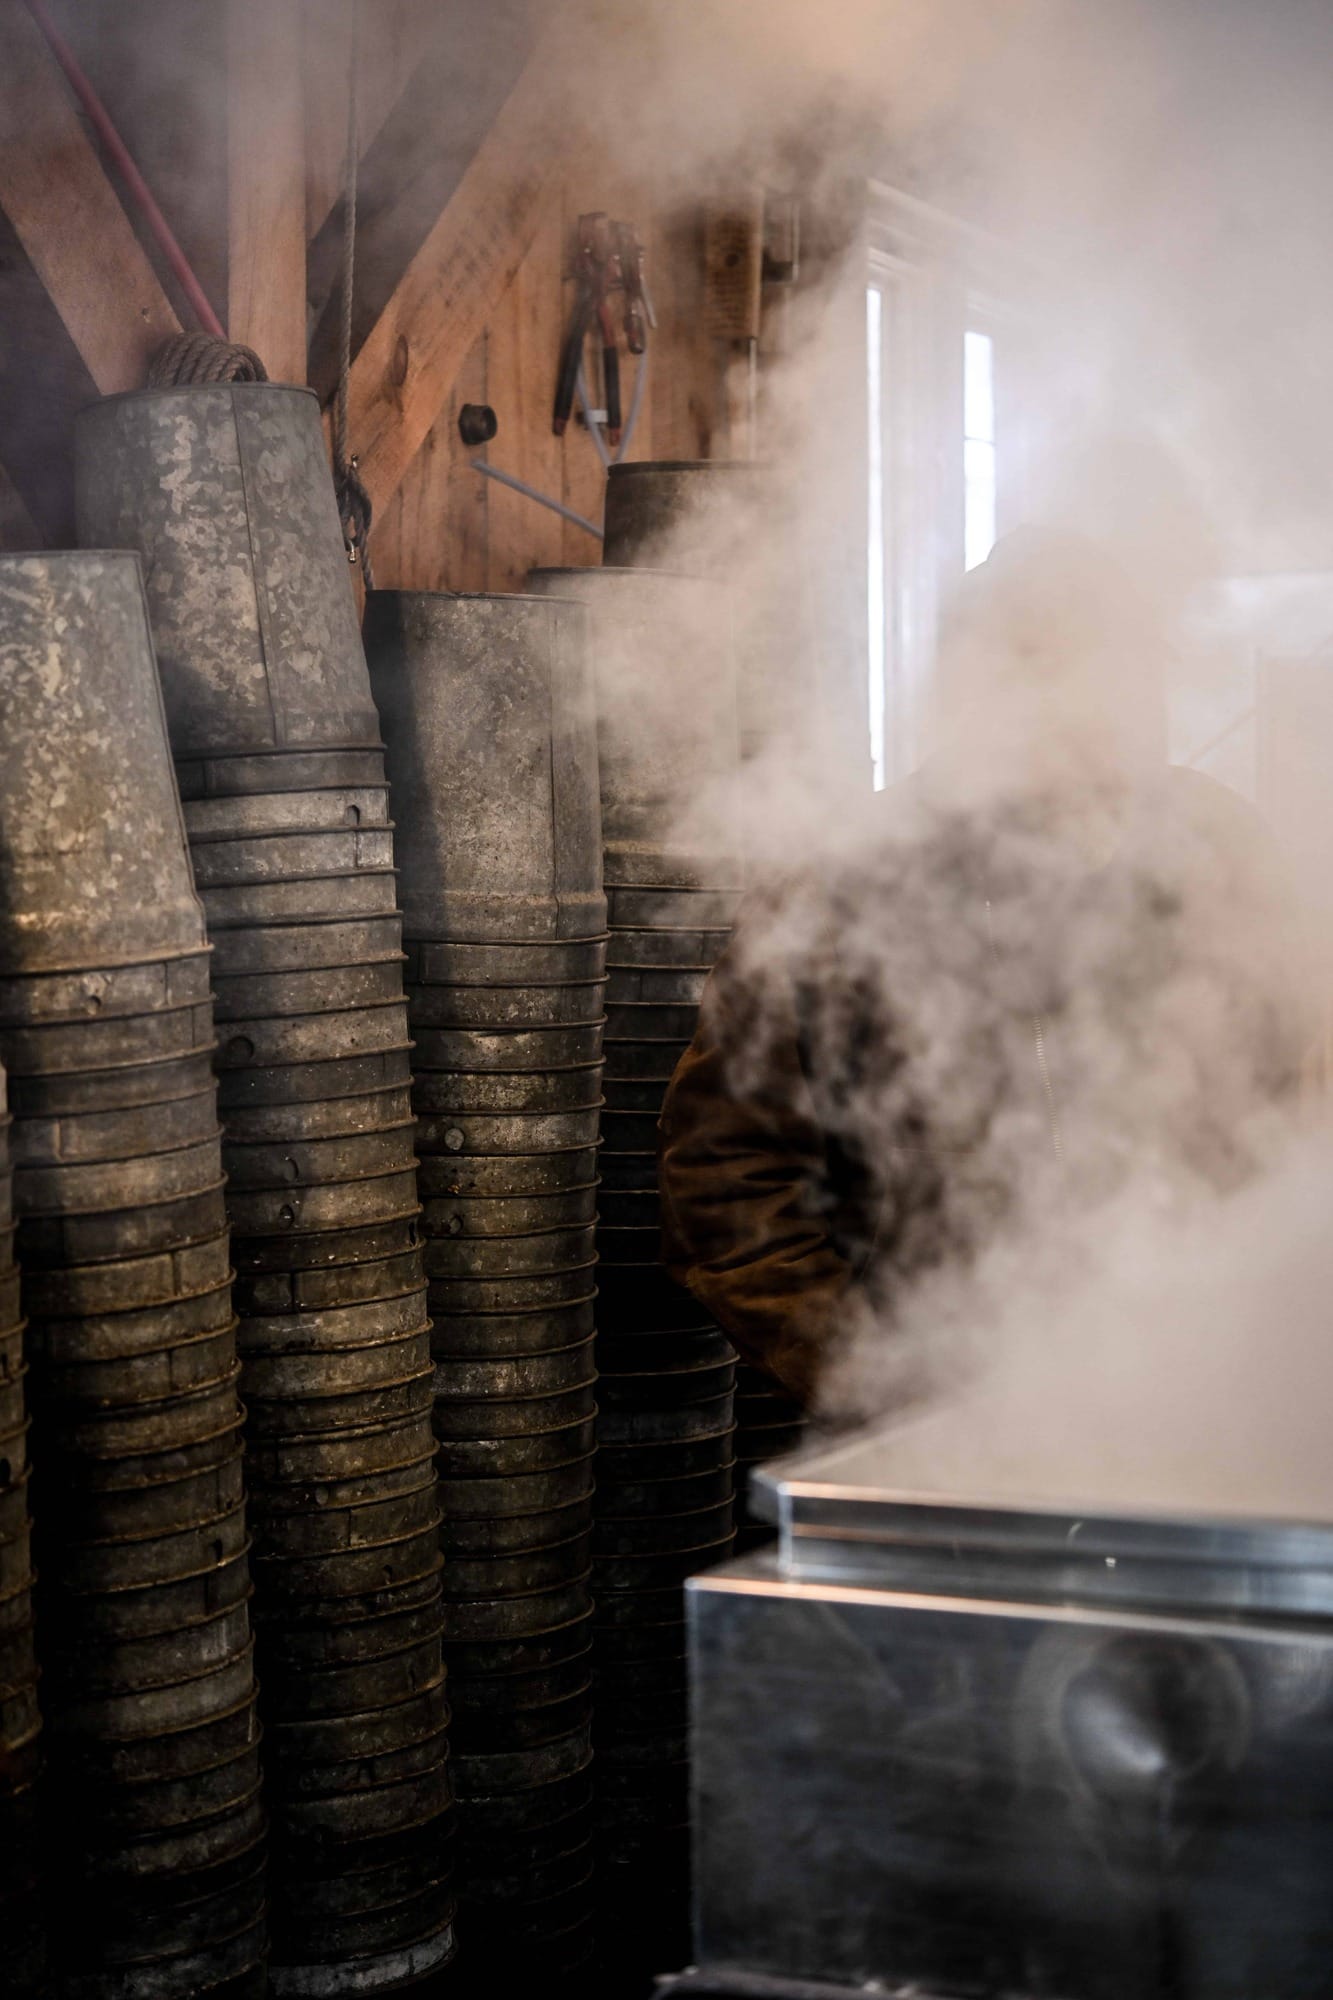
x=877, y=609
x=979, y=455
x=940, y=385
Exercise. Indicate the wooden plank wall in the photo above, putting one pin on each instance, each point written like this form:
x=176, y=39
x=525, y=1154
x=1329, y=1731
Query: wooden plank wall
x=266, y=146
x=448, y=527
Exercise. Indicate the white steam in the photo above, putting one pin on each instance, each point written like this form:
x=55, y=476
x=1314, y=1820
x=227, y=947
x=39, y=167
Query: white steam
x=1123, y=1297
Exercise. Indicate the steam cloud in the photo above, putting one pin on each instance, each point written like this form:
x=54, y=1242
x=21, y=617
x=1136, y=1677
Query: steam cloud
x=1139, y=1312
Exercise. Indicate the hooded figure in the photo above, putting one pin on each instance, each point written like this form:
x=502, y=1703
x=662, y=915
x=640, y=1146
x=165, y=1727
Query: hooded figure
x=1057, y=964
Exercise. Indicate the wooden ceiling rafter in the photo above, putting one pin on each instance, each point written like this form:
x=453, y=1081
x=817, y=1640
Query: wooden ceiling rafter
x=403, y=32
x=266, y=196
x=69, y=218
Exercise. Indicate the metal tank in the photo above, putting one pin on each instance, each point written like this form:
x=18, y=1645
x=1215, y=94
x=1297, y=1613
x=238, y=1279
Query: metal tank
x=1013, y=1743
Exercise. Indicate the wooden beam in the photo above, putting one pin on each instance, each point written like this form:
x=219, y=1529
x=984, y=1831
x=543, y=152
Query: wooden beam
x=18, y=530
x=523, y=357
x=266, y=184
x=416, y=348
x=410, y=172
x=66, y=214
x=395, y=35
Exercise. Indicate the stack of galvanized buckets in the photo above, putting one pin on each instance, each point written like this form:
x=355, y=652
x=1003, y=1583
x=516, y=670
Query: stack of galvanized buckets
x=667, y=724
x=487, y=711
x=224, y=490
x=20, y=1723
x=714, y=519
x=105, y=1029
x=406, y=1414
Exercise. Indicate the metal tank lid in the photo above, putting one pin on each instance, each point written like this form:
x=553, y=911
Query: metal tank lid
x=869, y=1511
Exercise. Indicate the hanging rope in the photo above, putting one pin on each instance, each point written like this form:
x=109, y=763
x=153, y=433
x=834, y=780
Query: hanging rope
x=353, y=500
x=196, y=357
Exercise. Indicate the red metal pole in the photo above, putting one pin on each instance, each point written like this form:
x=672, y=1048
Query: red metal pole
x=129, y=173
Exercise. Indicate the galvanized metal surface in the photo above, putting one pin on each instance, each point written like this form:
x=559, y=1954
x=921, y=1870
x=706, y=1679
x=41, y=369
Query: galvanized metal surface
x=567, y=960
x=325, y=1332
x=154, y=1080
x=465, y=1500
x=352, y=1455
x=540, y=1132
x=639, y=908
x=223, y=860
x=672, y=508
x=540, y=1374
x=662, y=948
x=306, y=947
x=487, y=1093
x=522, y=1454
x=92, y=856
x=322, y=990
x=515, y=1215
x=1129, y=1801
x=303, y=1162
x=517, y=1051
x=358, y=892
x=130, y=1286
x=322, y=1207
x=284, y=1040
x=226, y=493
x=503, y=1335
x=319, y=1118
x=112, y=1236
x=555, y=1248
x=315, y=1082
x=330, y=1287
x=665, y=688
x=290, y=1419
x=508, y=1534
x=115, y=1135
x=381, y=1973
x=92, y=1186
x=450, y=1174
x=489, y=721
x=284, y=812
x=841, y=1516
x=59, y=1049
x=282, y=772
x=27, y=999
x=334, y=1252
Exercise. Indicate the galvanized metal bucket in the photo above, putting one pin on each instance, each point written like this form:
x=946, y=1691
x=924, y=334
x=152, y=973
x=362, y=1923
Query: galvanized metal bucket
x=224, y=489
x=489, y=721
x=665, y=686
x=92, y=854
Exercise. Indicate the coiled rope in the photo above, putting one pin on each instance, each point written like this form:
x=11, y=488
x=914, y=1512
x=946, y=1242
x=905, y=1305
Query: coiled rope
x=198, y=357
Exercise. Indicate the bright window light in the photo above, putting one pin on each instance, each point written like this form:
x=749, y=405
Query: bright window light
x=875, y=527
x=979, y=483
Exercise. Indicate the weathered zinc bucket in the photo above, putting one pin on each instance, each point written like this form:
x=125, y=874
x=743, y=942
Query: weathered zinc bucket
x=225, y=492
x=93, y=865
x=686, y=513
x=664, y=673
x=488, y=716
x=731, y=520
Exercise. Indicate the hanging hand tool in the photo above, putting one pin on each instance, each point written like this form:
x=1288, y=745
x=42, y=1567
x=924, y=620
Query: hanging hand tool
x=609, y=258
